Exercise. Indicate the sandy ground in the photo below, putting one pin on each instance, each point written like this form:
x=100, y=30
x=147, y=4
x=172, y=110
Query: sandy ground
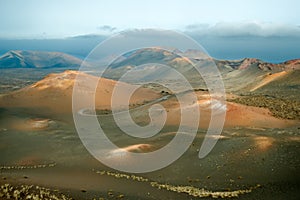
x=260, y=158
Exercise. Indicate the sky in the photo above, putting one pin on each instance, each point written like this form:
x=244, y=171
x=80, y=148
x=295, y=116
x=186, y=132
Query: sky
x=58, y=19
x=227, y=29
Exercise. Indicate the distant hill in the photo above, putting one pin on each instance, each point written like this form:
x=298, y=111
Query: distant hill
x=37, y=59
x=182, y=61
x=242, y=75
x=150, y=61
x=256, y=76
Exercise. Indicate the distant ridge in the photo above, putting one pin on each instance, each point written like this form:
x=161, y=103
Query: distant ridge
x=38, y=59
x=47, y=59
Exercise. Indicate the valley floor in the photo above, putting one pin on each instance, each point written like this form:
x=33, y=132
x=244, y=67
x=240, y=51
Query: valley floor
x=260, y=163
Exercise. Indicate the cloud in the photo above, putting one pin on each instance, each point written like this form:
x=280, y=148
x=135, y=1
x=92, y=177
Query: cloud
x=262, y=29
x=103, y=32
x=192, y=27
x=106, y=28
x=88, y=36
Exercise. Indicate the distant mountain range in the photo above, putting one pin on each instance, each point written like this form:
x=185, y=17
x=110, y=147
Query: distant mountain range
x=248, y=74
x=238, y=75
x=46, y=59
x=38, y=59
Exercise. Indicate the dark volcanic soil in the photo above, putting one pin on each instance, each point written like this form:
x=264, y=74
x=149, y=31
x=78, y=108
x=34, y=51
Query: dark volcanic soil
x=251, y=162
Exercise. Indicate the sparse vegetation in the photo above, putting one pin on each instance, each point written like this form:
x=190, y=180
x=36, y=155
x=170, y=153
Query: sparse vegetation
x=281, y=108
x=190, y=190
x=8, y=191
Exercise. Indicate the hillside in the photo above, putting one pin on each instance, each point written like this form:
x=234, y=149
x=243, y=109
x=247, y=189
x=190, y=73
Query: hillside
x=240, y=76
x=37, y=59
x=53, y=94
